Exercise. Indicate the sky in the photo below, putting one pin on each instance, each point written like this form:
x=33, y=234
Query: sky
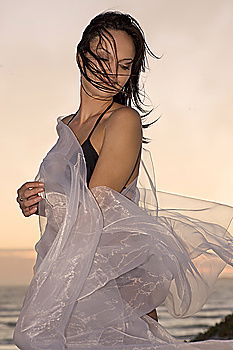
x=190, y=87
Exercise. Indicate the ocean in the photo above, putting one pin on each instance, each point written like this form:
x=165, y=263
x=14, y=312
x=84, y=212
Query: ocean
x=219, y=304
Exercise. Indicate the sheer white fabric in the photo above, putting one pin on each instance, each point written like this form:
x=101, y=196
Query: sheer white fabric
x=105, y=259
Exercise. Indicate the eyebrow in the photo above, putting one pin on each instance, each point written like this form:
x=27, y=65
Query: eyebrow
x=126, y=59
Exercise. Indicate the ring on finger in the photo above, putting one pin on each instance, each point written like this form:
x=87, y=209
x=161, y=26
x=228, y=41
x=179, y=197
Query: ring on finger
x=21, y=198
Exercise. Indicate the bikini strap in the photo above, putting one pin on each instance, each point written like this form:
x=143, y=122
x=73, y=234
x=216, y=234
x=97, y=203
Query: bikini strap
x=97, y=119
x=71, y=118
x=102, y=114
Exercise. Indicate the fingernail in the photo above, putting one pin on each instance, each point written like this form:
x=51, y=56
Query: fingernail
x=41, y=195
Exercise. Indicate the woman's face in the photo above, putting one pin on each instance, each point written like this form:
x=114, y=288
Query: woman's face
x=117, y=64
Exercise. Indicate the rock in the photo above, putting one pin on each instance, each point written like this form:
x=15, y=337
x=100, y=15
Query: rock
x=222, y=330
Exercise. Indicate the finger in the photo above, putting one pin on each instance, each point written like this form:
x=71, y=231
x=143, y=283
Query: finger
x=20, y=200
x=32, y=191
x=26, y=211
x=24, y=199
x=30, y=210
x=30, y=184
x=33, y=184
x=29, y=202
x=26, y=191
x=33, y=209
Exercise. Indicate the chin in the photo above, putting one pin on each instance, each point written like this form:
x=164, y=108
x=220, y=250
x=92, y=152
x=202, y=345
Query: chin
x=95, y=92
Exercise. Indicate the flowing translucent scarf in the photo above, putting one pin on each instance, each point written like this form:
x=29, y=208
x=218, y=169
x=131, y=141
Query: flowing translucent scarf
x=105, y=259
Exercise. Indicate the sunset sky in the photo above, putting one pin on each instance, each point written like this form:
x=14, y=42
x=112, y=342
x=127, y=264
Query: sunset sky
x=191, y=87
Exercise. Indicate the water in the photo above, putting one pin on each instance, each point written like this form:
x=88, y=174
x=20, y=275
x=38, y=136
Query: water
x=219, y=304
x=11, y=299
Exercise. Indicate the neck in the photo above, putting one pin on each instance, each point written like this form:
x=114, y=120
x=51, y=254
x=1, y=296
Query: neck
x=91, y=105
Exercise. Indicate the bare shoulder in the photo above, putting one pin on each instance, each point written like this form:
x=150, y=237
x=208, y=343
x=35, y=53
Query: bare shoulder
x=124, y=116
x=66, y=119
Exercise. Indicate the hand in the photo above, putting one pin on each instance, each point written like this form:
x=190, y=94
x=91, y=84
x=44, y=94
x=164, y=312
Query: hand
x=28, y=197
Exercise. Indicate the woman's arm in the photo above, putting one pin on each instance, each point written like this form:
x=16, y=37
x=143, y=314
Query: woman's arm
x=119, y=151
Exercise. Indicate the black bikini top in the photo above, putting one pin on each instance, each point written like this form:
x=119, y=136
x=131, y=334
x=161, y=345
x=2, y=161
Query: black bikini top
x=90, y=154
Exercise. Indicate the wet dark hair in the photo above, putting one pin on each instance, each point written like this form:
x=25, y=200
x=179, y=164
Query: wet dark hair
x=99, y=28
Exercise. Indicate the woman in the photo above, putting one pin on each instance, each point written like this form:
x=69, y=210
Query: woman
x=106, y=258
x=97, y=91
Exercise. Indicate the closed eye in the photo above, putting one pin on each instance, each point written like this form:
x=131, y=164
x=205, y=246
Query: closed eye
x=125, y=67
x=105, y=59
